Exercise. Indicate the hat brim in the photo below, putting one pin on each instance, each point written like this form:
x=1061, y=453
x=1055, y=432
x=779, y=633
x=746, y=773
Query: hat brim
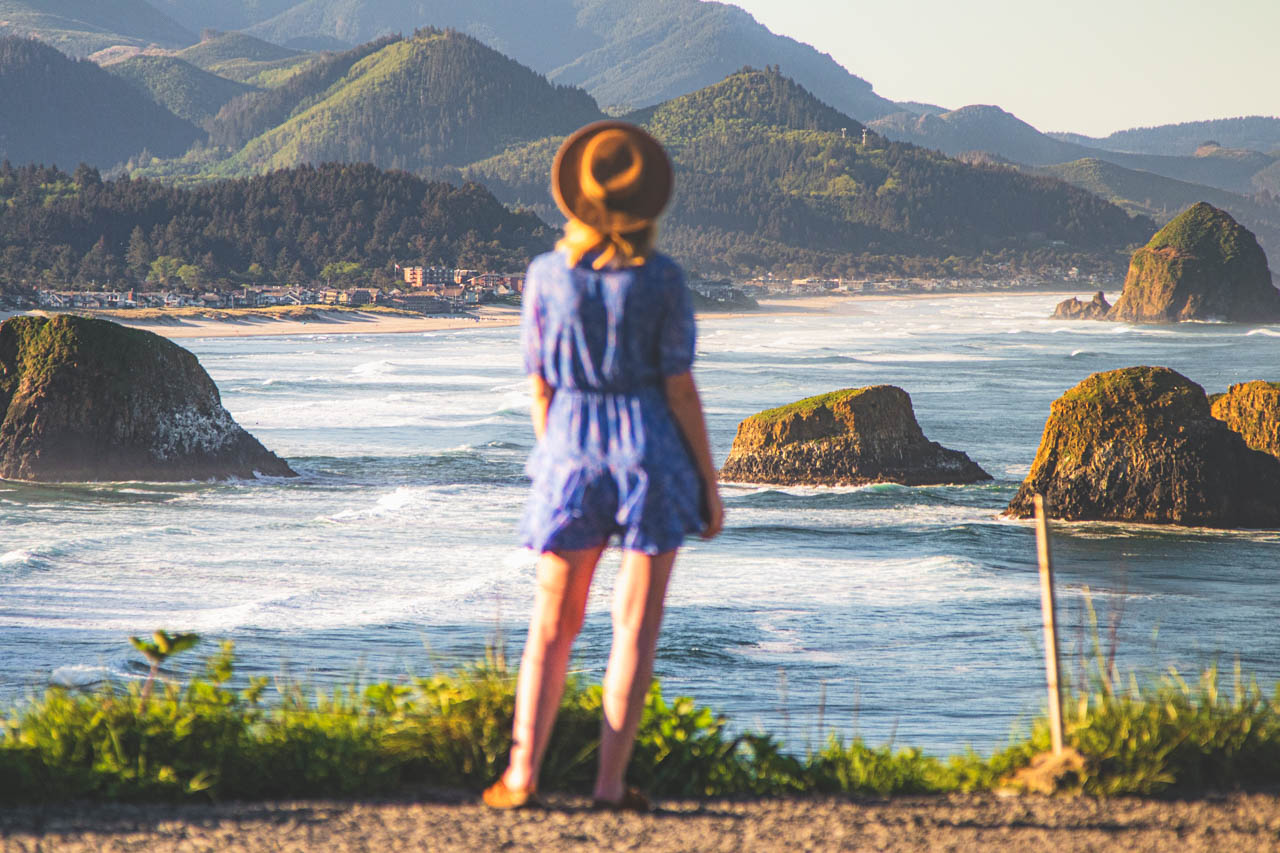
x=634, y=212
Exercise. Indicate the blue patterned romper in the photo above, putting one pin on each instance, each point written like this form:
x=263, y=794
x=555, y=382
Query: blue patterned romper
x=613, y=459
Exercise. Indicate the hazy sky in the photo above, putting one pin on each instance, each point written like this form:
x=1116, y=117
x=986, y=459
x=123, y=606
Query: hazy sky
x=1089, y=66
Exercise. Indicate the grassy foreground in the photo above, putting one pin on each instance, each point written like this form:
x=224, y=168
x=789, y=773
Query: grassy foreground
x=205, y=740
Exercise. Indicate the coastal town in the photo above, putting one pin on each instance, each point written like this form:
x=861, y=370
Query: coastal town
x=442, y=290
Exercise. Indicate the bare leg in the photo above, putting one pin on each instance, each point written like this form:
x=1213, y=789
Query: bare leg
x=563, y=582
x=637, y=614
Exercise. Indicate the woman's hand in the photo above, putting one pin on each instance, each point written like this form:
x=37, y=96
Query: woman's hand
x=542, y=394
x=715, y=512
x=686, y=408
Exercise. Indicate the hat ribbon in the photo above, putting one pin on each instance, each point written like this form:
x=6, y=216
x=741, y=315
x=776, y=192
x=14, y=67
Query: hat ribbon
x=580, y=239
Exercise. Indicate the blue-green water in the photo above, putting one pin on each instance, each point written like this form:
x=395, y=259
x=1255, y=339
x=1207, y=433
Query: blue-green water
x=909, y=613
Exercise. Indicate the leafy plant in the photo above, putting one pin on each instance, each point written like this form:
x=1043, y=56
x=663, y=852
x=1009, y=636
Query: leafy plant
x=158, y=649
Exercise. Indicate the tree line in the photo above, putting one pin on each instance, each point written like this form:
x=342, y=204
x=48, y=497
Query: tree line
x=288, y=226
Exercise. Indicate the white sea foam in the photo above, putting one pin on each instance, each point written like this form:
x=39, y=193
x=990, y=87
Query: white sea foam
x=313, y=570
x=81, y=675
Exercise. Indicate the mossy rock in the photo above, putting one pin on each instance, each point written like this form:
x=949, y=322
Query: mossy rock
x=853, y=437
x=1253, y=410
x=84, y=399
x=1139, y=444
x=1203, y=265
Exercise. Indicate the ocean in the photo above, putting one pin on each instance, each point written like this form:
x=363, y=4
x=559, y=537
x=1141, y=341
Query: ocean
x=904, y=615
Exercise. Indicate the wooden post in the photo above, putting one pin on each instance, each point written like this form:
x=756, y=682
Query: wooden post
x=1050, y=624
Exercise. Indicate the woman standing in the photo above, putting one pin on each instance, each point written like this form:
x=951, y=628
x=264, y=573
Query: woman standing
x=608, y=338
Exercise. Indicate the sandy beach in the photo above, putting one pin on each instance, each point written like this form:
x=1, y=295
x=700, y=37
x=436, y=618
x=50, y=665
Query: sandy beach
x=321, y=321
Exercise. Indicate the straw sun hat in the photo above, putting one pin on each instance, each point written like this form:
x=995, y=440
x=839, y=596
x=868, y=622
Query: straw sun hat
x=612, y=176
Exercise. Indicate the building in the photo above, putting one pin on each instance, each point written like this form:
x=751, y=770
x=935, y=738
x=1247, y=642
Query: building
x=487, y=281
x=418, y=277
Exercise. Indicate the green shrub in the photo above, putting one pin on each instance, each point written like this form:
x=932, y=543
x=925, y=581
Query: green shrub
x=205, y=740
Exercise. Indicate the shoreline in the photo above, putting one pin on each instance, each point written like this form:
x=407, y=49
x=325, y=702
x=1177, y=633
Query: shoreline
x=325, y=321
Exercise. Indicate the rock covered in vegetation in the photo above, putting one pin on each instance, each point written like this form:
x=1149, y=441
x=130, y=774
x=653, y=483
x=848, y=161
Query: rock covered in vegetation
x=1201, y=266
x=1139, y=444
x=1078, y=309
x=84, y=399
x=850, y=437
x=1253, y=410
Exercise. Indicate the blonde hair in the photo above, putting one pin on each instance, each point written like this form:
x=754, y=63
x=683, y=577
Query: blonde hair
x=617, y=249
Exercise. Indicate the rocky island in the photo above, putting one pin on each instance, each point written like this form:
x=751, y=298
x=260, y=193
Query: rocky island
x=1140, y=444
x=846, y=438
x=1078, y=309
x=1253, y=410
x=1203, y=265
x=88, y=400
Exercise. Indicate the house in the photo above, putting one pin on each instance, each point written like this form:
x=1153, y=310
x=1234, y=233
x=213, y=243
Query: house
x=421, y=302
x=357, y=296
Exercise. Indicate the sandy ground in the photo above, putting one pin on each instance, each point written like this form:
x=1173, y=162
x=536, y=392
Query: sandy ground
x=455, y=823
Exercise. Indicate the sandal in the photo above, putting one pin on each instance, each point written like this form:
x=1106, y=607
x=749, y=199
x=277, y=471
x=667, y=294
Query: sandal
x=632, y=801
x=499, y=796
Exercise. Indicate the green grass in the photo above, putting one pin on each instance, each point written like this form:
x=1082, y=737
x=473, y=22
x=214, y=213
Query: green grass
x=807, y=406
x=205, y=740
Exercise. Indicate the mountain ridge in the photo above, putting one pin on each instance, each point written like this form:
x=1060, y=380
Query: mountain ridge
x=990, y=128
x=440, y=98
x=625, y=52
x=771, y=178
x=81, y=27
x=44, y=86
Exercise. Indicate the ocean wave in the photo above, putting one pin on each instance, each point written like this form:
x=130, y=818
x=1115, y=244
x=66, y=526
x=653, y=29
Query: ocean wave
x=80, y=676
x=1270, y=333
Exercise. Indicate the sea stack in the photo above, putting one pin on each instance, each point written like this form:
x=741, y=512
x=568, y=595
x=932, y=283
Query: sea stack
x=1253, y=410
x=1077, y=309
x=846, y=438
x=1139, y=444
x=88, y=400
x=1203, y=265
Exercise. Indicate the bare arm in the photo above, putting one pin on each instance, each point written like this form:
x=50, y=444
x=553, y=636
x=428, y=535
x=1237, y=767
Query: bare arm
x=686, y=407
x=542, y=394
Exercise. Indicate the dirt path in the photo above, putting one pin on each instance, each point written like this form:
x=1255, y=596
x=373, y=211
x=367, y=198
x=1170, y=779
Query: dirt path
x=451, y=822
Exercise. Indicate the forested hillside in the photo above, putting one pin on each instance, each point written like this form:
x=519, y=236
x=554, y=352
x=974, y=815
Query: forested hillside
x=81, y=27
x=283, y=227
x=769, y=178
x=185, y=90
x=436, y=99
x=1163, y=198
x=67, y=111
x=243, y=58
x=258, y=113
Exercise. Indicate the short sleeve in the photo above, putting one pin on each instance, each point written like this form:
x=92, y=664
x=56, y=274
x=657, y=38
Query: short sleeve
x=531, y=323
x=678, y=335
